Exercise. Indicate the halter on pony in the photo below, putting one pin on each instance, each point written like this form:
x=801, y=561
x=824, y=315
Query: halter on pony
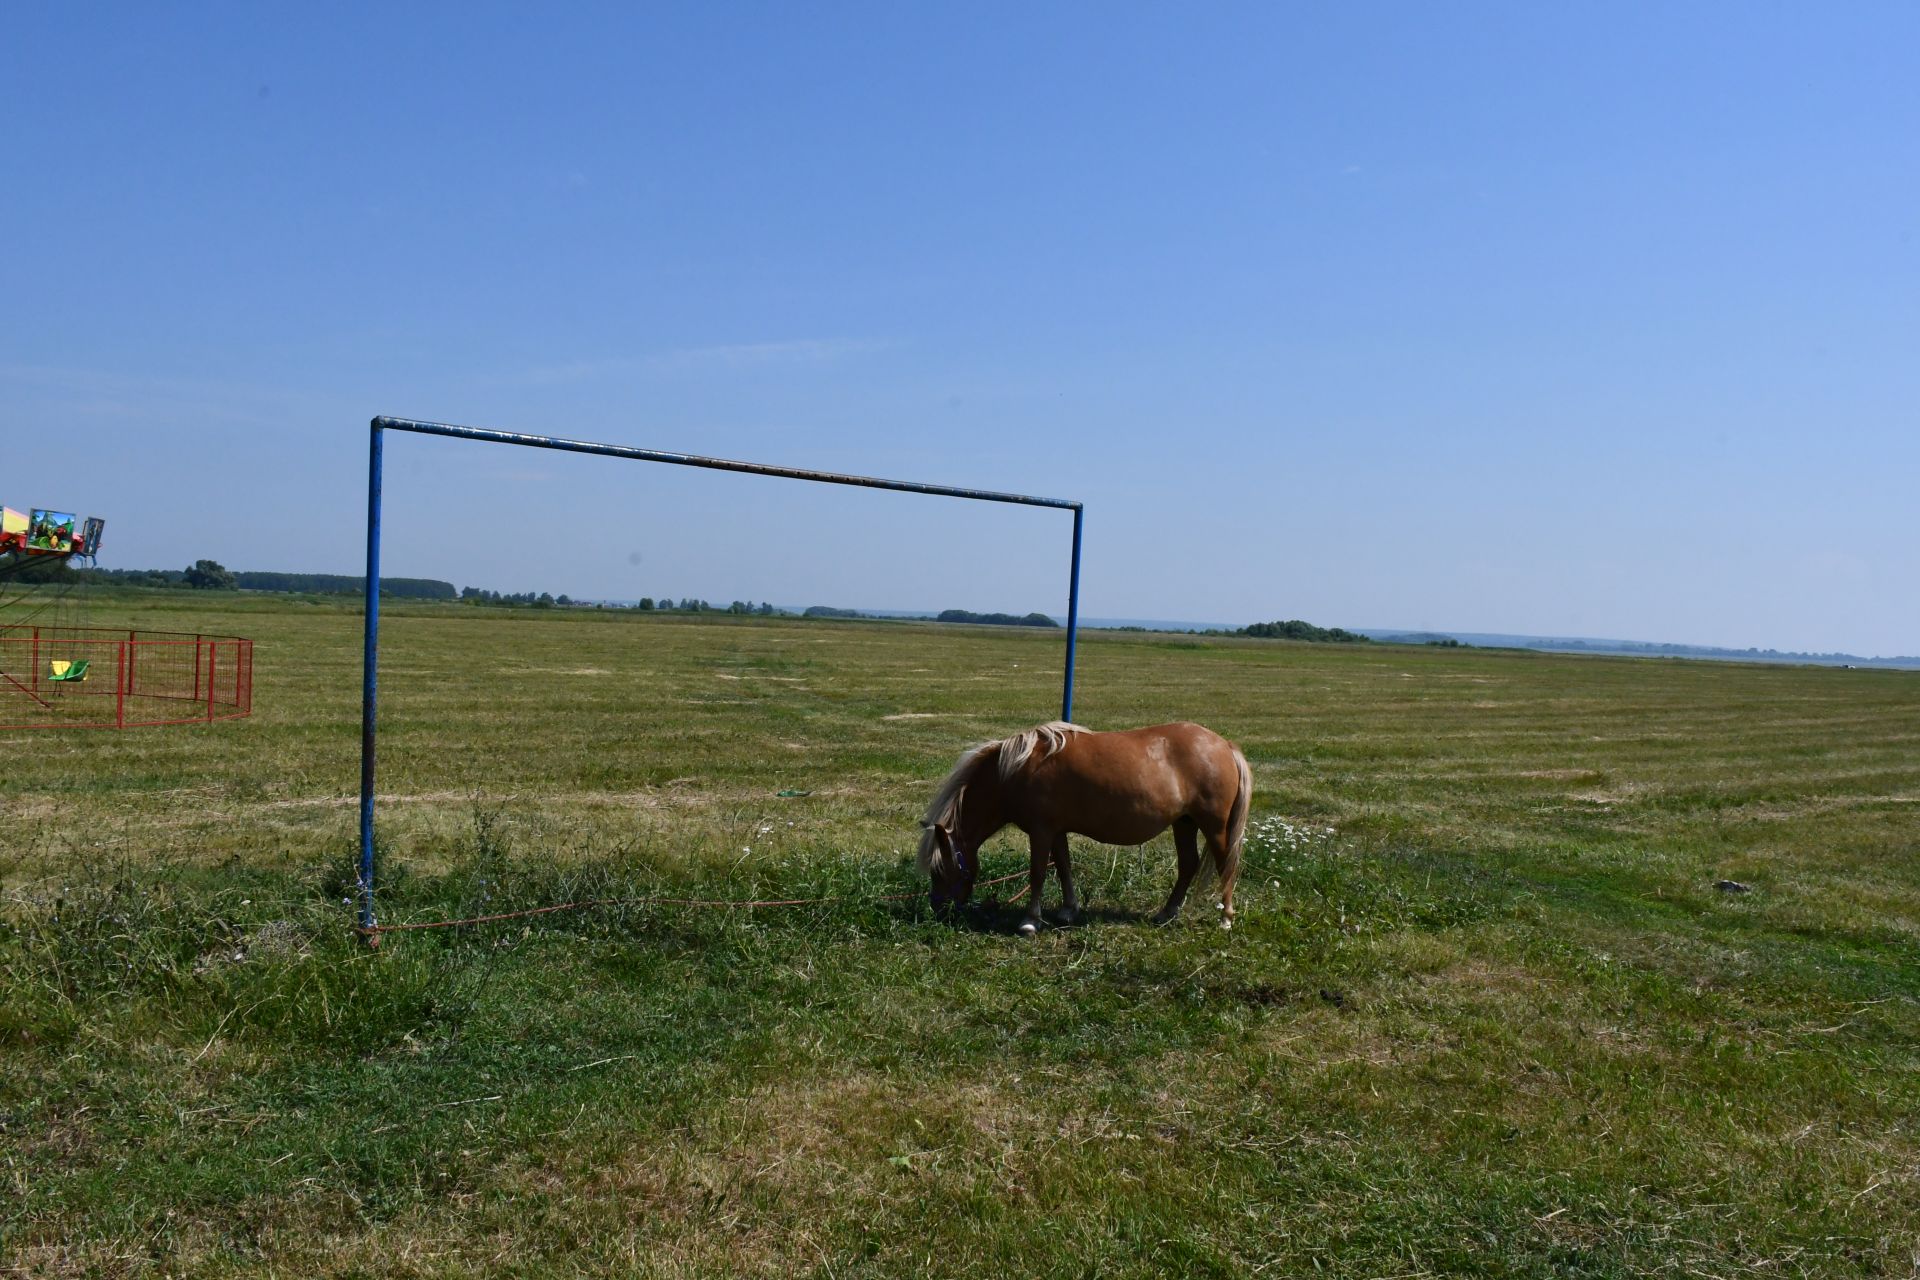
x=938, y=895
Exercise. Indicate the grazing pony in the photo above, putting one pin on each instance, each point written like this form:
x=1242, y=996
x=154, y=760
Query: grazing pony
x=1118, y=788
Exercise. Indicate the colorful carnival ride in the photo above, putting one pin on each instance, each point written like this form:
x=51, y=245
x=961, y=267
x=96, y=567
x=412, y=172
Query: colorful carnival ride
x=56, y=670
x=47, y=534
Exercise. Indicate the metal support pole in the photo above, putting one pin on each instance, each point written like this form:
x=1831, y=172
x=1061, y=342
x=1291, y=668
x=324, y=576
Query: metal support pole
x=1073, y=616
x=369, y=713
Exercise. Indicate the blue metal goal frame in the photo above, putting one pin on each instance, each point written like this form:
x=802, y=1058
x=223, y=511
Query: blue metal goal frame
x=369, y=700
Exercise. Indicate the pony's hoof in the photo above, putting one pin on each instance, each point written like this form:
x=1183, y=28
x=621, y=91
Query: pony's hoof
x=1161, y=919
x=1029, y=929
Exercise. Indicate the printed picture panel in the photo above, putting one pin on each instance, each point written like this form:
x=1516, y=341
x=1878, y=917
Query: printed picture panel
x=51, y=531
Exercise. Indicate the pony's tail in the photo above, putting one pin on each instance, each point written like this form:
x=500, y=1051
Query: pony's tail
x=1222, y=871
x=1237, y=821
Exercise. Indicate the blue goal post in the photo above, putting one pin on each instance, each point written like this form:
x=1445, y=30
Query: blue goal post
x=369, y=717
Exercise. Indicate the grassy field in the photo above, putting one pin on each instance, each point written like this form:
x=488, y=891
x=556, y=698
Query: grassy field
x=1486, y=1013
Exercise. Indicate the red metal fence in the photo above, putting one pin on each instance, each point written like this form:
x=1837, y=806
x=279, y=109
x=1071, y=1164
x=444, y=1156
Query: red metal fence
x=100, y=678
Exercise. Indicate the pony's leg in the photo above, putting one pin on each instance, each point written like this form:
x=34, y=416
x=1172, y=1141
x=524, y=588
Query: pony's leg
x=1041, y=849
x=1185, y=840
x=1070, y=905
x=1228, y=871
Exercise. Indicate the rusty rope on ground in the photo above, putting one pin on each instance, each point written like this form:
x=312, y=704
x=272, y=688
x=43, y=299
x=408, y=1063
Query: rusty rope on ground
x=374, y=931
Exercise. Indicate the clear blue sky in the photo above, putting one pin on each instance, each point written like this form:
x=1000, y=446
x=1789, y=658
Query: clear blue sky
x=1562, y=319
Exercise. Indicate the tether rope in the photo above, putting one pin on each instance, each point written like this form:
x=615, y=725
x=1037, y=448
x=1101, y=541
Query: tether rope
x=370, y=931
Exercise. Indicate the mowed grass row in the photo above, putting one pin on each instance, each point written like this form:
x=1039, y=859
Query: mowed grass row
x=1486, y=1011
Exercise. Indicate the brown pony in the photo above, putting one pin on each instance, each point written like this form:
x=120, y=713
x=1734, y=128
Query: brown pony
x=1118, y=788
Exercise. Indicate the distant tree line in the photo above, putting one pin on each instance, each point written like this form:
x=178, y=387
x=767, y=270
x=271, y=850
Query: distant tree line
x=517, y=599
x=211, y=575
x=1294, y=629
x=996, y=619
x=135, y=577
x=45, y=569
x=645, y=604
x=667, y=604
x=344, y=584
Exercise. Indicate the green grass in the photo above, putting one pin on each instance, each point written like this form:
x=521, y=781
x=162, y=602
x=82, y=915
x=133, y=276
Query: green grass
x=1500, y=1022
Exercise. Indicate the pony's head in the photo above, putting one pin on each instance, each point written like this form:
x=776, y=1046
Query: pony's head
x=949, y=865
x=964, y=814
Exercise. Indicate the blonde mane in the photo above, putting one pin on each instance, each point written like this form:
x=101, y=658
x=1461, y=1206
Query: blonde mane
x=1032, y=746
x=1035, y=745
